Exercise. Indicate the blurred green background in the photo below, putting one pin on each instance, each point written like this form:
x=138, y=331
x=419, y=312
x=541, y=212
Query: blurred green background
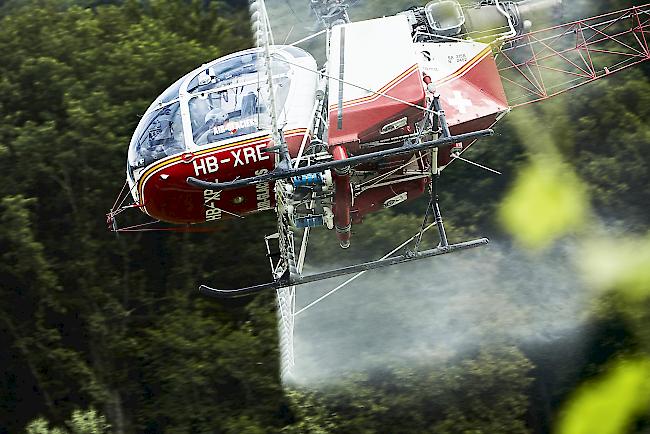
x=107, y=334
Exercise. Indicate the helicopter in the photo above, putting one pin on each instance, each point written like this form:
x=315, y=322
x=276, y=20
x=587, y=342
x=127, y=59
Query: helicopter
x=368, y=123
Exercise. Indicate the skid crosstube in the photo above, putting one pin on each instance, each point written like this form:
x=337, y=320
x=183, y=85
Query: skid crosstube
x=285, y=173
x=301, y=280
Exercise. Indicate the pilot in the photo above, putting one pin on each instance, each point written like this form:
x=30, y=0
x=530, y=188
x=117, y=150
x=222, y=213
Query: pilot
x=214, y=119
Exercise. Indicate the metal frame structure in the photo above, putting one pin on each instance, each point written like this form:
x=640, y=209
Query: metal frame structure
x=539, y=65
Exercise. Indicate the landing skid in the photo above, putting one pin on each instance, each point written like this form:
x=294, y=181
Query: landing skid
x=285, y=272
x=372, y=265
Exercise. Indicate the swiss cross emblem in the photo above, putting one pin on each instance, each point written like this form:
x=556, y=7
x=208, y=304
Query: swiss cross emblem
x=460, y=102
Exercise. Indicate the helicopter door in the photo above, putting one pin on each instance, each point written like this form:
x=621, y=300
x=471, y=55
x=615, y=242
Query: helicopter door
x=375, y=81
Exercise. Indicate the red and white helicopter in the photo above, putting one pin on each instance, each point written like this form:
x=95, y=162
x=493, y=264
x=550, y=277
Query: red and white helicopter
x=390, y=104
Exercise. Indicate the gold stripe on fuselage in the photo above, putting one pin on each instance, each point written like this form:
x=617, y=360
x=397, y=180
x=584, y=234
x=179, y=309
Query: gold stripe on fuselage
x=176, y=158
x=467, y=66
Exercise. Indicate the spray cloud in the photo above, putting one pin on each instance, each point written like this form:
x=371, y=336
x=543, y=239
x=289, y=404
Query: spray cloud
x=438, y=308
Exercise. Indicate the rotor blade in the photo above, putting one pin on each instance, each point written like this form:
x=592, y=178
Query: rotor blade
x=294, y=20
x=264, y=40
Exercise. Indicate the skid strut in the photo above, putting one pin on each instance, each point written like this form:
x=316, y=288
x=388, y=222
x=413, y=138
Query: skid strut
x=290, y=279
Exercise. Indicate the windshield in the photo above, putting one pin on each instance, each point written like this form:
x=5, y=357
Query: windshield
x=225, y=72
x=159, y=134
x=223, y=101
x=227, y=100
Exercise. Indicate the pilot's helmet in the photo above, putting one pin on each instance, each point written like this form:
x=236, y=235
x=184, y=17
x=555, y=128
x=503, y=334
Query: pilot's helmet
x=216, y=116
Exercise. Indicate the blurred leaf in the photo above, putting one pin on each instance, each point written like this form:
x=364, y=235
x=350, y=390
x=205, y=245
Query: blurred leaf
x=610, y=404
x=547, y=201
x=620, y=264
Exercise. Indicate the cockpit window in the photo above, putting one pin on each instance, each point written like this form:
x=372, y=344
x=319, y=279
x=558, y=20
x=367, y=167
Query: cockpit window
x=224, y=73
x=159, y=134
x=171, y=92
x=230, y=113
x=224, y=99
x=233, y=112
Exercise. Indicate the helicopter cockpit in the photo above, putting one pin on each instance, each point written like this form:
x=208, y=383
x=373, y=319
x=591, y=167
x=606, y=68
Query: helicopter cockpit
x=224, y=100
x=219, y=101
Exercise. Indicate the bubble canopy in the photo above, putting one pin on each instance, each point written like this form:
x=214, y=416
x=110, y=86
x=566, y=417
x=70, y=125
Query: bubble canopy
x=216, y=102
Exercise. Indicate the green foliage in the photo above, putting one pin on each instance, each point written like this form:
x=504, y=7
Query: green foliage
x=610, y=404
x=81, y=422
x=626, y=271
x=482, y=394
x=86, y=315
x=612, y=146
x=22, y=256
x=87, y=319
x=41, y=426
x=547, y=201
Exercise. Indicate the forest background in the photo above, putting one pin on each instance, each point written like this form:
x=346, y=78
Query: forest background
x=107, y=334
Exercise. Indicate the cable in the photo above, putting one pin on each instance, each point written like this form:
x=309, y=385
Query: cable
x=318, y=300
